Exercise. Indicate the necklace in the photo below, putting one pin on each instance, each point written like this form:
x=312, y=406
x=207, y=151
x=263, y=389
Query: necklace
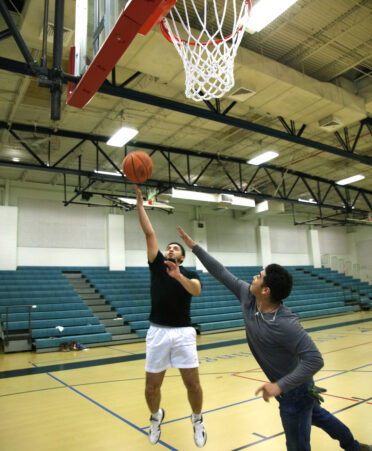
x=268, y=320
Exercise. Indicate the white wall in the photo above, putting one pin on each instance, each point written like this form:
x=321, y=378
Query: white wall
x=8, y=237
x=47, y=233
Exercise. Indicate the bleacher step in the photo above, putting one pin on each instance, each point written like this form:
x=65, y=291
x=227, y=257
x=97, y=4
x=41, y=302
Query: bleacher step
x=86, y=290
x=125, y=337
x=118, y=330
x=81, y=284
x=96, y=301
x=106, y=315
x=100, y=308
x=87, y=296
x=17, y=345
x=114, y=322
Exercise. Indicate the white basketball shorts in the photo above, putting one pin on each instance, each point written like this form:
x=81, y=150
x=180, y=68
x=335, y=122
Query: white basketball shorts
x=170, y=347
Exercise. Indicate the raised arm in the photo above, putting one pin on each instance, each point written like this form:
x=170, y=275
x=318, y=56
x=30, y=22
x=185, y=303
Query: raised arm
x=152, y=242
x=215, y=268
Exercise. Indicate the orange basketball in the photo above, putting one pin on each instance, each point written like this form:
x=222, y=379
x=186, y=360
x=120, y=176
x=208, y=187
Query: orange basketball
x=137, y=166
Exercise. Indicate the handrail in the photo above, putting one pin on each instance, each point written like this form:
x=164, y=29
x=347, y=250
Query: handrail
x=29, y=307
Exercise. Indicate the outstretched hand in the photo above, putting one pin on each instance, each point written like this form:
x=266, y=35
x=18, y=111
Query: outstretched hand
x=139, y=195
x=186, y=238
x=173, y=269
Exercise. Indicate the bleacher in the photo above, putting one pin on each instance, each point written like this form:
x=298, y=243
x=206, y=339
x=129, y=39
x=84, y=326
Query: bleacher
x=354, y=287
x=216, y=308
x=316, y=292
x=57, y=313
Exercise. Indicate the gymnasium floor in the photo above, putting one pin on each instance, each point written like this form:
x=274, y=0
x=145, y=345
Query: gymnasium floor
x=93, y=400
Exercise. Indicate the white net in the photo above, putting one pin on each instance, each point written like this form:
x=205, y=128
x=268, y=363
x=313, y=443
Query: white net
x=209, y=49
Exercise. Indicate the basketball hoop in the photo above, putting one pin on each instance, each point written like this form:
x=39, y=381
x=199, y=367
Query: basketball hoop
x=208, y=56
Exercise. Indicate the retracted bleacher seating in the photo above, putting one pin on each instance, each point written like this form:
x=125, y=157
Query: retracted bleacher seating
x=216, y=309
x=46, y=296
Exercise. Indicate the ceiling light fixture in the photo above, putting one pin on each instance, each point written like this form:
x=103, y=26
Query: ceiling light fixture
x=263, y=158
x=122, y=136
x=116, y=174
x=265, y=11
x=308, y=201
x=16, y=159
x=193, y=195
x=347, y=181
x=197, y=196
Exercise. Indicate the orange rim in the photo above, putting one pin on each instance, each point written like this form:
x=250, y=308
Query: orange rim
x=213, y=42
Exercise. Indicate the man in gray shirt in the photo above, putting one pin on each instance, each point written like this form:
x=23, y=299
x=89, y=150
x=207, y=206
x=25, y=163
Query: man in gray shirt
x=284, y=351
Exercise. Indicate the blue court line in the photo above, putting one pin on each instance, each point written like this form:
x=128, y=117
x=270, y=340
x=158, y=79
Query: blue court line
x=30, y=391
x=259, y=397
x=259, y=435
x=119, y=350
x=129, y=423
x=109, y=381
x=211, y=410
x=130, y=358
x=258, y=441
x=343, y=372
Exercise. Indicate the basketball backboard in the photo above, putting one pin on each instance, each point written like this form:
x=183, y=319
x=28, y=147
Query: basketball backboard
x=104, y=29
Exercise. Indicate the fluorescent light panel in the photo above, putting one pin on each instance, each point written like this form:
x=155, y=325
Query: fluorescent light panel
x=122, y=136
x=116, y=174
x=193, y=195
x=308, y=201
x=210, y=197
x=263, y=158
x=347, y=181
x=265, y=11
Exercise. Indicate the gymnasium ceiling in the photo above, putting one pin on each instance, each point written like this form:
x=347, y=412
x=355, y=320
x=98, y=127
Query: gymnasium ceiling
x=312, y=63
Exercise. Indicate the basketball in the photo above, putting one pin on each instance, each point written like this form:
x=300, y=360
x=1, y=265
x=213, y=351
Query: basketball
x=137, y=166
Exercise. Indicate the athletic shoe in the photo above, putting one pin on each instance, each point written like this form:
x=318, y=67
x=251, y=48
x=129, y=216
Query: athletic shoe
x=200, y=435
x=154, y=431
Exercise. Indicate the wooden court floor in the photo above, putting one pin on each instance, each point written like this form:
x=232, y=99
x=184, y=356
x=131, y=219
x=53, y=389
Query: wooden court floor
x=93, y=400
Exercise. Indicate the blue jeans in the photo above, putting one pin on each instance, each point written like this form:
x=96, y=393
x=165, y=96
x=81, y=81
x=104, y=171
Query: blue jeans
x=298, y=412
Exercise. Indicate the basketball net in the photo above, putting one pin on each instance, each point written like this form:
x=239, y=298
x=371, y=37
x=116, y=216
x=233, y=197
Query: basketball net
x=151, y=195
x=208, y=57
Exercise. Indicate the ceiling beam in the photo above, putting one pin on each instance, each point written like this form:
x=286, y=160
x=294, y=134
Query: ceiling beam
x=149, y=99
x=158, y=147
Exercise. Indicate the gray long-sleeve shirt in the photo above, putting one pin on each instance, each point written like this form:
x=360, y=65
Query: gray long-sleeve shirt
x=282, y=348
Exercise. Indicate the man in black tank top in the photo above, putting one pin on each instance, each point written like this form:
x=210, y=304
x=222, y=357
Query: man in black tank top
x=170, y=340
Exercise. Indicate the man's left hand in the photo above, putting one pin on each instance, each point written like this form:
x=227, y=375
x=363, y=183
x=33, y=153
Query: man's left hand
x=268, y=390
x=173, y=269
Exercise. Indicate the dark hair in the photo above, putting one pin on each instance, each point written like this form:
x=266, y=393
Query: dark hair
x=279, y=280
x=178, y=244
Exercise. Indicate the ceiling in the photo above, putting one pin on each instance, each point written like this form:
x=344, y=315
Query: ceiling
x=312, y=63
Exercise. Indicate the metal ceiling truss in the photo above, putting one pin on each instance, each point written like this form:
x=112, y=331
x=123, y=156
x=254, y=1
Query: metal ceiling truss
x=118, y=91
x=281, y=180
x=53, y=79
x=345, y=141
x=264, y=182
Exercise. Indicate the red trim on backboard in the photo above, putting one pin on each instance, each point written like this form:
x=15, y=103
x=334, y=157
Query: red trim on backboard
x=158, y=16
x=130, y=22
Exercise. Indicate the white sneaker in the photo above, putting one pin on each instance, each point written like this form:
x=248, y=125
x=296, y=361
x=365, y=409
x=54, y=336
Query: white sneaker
x=154, y=431
x=200, y=435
